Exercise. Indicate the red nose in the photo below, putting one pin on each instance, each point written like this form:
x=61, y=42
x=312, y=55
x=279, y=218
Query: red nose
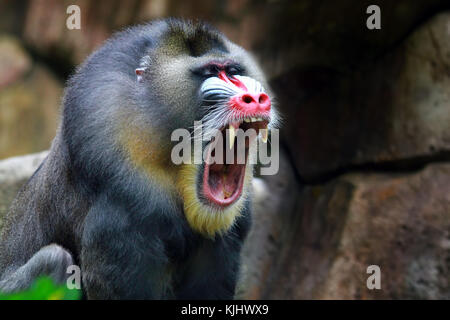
x=251, y=102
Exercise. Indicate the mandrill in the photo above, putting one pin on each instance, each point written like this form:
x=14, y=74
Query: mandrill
x=109, y=198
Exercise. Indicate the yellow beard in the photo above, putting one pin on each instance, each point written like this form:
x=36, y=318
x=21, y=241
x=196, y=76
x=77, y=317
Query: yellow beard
x=205, y=219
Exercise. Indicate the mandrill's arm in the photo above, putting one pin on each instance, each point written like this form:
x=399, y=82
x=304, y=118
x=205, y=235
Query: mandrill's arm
x=119, y=259
x=213, y=272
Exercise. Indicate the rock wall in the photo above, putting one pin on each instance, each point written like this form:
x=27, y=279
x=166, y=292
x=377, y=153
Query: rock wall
x=394, y=111
x=397, y=221
x=29, y=100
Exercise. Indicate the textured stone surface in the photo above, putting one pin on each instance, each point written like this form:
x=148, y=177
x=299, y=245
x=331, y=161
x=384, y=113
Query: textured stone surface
x=394, y=110
x=275, y=200
x=30, y=95
x=331, y=34
x=400, y=222
x=14, y=61
x=14, y=172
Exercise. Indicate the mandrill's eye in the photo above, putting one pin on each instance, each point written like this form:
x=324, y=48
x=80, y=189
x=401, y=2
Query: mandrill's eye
x=234, y=70
x=207, y=72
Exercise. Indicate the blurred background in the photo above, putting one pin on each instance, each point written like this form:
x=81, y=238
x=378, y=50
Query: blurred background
x=365, y=146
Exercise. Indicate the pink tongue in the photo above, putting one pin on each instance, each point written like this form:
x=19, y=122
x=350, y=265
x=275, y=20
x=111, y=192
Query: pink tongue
x=224, y=181
x=229, y=187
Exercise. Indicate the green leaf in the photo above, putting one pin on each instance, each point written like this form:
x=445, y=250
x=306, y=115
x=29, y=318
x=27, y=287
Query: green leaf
x=44, y=288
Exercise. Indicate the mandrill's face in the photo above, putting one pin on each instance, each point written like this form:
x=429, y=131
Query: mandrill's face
x=214, y=89
x=235, y=104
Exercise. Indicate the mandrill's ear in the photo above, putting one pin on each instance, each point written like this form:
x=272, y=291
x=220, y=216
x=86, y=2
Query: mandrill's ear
x=139, y=74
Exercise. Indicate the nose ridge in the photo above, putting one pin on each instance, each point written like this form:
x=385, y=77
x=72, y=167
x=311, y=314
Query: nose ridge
x=253, y=102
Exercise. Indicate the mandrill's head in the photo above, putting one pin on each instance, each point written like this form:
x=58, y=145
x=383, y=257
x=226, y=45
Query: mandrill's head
x=189, y=76
x=196, y=74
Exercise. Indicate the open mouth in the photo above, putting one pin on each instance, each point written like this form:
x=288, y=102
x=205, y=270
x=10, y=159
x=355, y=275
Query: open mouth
x=223, y=182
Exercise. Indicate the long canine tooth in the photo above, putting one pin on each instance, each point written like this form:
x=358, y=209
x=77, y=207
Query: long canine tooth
x=231, y=135
x=264, y=134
